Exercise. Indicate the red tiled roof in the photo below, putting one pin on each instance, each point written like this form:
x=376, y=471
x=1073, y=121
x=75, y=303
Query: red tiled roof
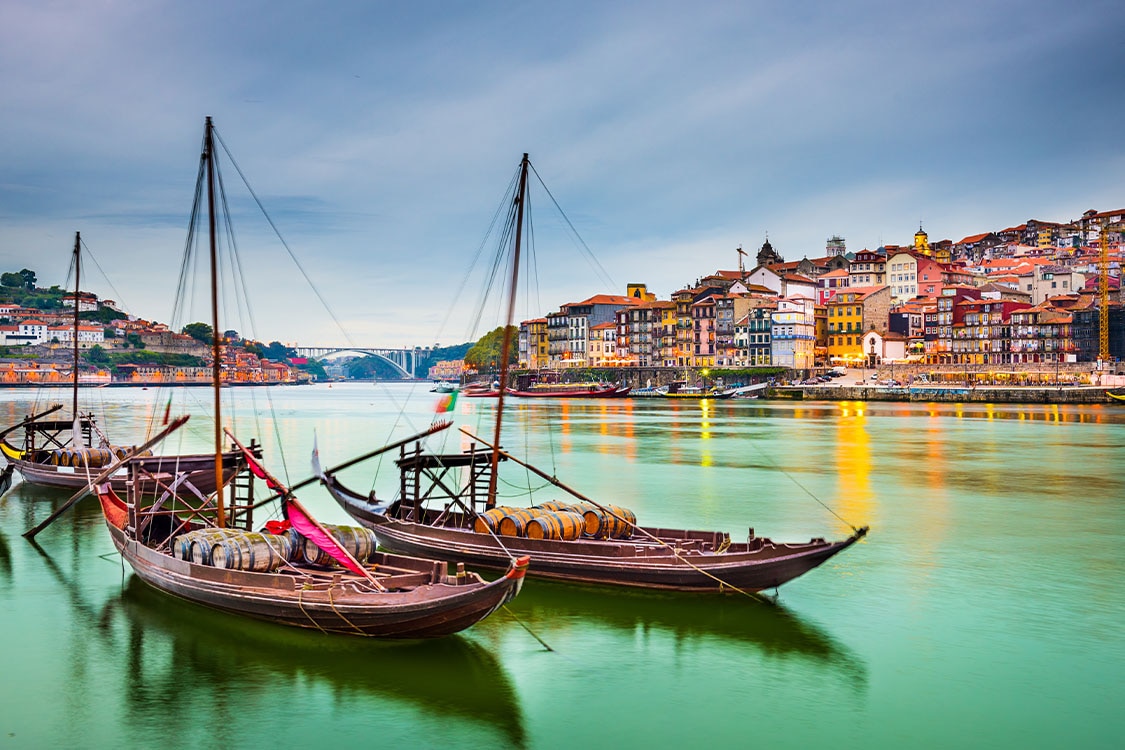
x=973, y=238
x=607, y=299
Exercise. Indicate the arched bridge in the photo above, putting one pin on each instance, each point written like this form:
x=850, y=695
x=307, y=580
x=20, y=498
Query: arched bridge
x=403, y=360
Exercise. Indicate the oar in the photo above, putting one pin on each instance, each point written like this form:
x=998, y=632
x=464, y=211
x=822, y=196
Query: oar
x=172, y=427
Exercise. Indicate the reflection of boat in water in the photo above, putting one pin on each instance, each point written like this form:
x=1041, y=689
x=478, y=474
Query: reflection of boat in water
x=770, y=627
x=5, y=559
x=200, y=656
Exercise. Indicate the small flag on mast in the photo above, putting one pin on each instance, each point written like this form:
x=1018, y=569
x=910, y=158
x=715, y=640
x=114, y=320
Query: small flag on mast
x=446, y=403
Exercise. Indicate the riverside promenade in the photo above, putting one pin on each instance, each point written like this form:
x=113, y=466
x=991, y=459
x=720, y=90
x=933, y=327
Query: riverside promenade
x=944, y=393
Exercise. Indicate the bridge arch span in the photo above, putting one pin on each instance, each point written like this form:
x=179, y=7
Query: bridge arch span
x=403, y=360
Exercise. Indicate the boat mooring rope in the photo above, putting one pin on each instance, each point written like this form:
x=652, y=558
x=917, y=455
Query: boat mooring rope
x=525, y=627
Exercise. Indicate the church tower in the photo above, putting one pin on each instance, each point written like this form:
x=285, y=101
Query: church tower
x=767, y=256
x=922, y=242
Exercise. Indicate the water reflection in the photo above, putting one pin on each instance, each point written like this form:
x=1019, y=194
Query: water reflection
x=164, y=646
x=5, y=559
x=770, y=628
x=169, y=640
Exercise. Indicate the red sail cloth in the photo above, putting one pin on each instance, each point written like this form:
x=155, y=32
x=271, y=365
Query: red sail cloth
x=259, y=472
x=310, y=530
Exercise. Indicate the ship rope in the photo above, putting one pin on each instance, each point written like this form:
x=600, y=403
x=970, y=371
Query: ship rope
x=777, y=467
x=340, y=614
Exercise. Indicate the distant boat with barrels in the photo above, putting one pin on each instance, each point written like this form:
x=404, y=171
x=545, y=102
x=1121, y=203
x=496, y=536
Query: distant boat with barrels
x=66, y=453
x=447, y=508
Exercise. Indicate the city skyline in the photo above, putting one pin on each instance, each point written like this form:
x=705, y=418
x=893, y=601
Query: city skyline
x=380, y=139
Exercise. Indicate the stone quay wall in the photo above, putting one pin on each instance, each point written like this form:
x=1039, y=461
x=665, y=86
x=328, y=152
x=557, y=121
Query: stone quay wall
x=952, y=394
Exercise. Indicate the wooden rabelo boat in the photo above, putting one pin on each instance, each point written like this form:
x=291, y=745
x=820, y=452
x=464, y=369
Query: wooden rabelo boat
x=1115, y=396
x=571, y=390
x=66, y=454
x=437, y=515
x=298, y=572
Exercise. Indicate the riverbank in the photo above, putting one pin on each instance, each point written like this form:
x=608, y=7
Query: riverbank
x=977, y=394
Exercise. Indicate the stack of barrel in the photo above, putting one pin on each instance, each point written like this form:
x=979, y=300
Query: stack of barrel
x=93, y=458
x=558, y=520
x=236, y=549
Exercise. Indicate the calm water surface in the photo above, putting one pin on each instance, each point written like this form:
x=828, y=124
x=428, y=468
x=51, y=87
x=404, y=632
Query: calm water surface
x=984, y=610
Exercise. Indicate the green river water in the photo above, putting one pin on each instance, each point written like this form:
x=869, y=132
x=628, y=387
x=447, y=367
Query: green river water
x=985, y=609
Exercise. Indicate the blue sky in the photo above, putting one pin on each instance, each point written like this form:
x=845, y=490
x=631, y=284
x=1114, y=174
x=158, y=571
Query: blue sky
x=380, y=136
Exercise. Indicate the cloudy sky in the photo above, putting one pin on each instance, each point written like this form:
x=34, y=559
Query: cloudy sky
x=380, y=137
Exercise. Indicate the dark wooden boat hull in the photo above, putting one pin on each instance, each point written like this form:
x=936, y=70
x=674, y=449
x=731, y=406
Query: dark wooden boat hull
x=751, y=566
x=609, y=392
x=426, y=611
x=201, y=467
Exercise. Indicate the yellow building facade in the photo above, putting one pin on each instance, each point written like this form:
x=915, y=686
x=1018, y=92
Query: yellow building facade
x=845, y=327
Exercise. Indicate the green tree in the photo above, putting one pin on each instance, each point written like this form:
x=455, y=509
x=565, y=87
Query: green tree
x=315, y=369
x=28, y=279
x=101, y=315
x=11, y=280
x=485, y=354
x=135, y=340
x=110, y=333
x=97, y=355
x=199, y=332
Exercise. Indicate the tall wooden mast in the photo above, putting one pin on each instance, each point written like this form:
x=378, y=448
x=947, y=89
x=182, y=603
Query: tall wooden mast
x=505, y=346
x=216, y=342
x=77, y=305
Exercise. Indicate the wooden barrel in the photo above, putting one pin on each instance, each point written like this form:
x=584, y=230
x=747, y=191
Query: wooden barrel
x=515, y=523
x=251, y=551
x=195, y=546
x=553, y=505
x=490, y=519
x=357, y=540
x=614, y=522
x=558, y=525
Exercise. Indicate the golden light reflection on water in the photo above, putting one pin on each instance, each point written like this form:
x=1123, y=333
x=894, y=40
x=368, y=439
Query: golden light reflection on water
x=853, y=464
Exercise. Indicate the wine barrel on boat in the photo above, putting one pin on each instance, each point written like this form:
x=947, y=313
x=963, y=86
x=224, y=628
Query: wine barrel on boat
x=195, y=546
x=357, y=540
x=554, y=505
x=490, y=519
x=249, y=550
x=614, y=522
x=92, y=457
x=515, y=523
x=558, y=525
